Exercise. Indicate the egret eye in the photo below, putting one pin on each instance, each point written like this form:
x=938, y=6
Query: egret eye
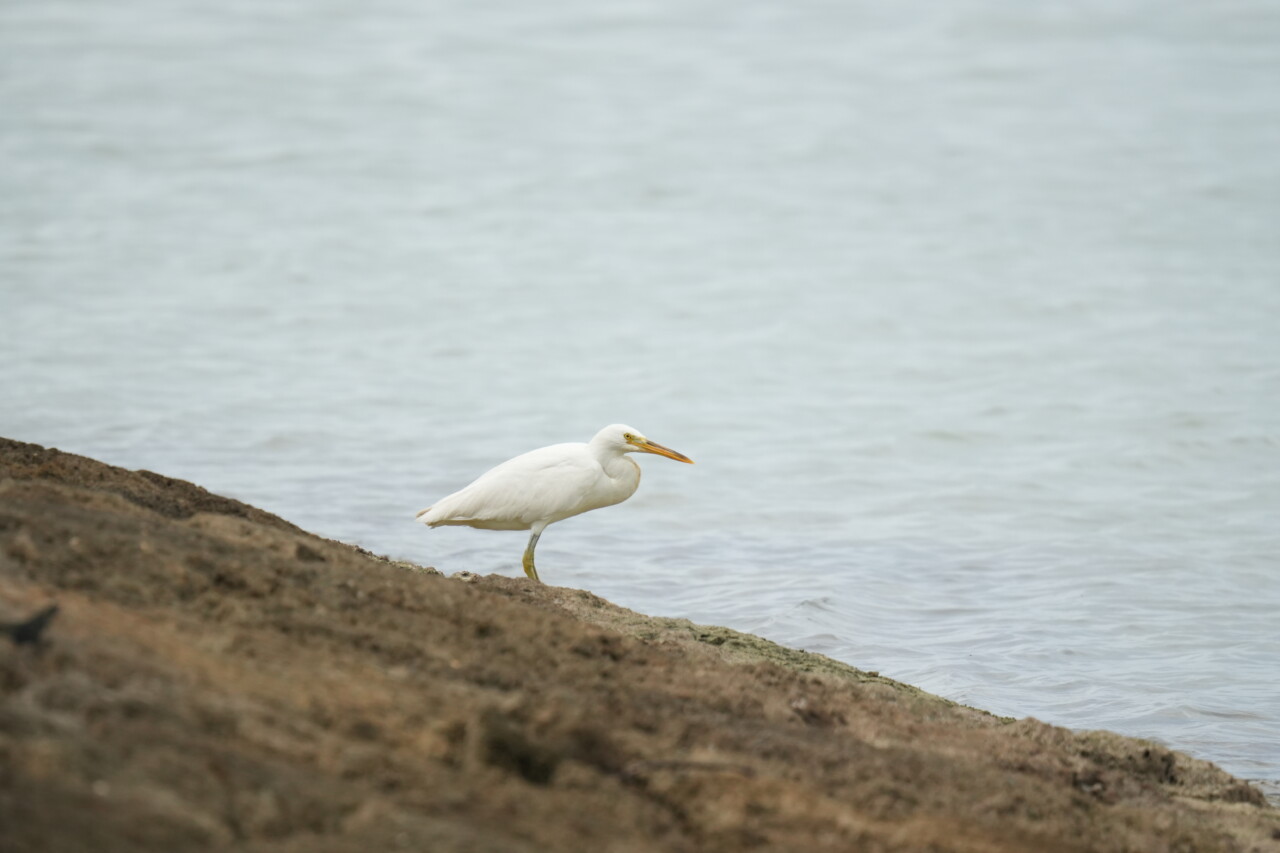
x=627, y=436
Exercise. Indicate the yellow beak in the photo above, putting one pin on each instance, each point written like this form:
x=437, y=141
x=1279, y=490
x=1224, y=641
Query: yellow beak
x=647, y=446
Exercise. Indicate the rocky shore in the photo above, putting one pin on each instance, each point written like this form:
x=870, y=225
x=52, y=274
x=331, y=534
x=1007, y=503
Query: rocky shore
x=216, y=678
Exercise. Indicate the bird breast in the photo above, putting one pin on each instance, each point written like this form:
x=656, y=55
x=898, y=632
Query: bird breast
x=623, y=475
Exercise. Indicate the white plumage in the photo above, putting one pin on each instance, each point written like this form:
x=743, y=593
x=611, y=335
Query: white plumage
x=548, y=485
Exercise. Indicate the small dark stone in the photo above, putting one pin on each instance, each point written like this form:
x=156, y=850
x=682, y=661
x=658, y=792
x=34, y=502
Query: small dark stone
x=28, y=632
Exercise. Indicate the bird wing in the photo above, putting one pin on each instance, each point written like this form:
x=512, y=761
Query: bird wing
x=547, y=484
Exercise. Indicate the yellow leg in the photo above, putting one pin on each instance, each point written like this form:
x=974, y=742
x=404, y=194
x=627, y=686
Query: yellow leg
x=529, y=568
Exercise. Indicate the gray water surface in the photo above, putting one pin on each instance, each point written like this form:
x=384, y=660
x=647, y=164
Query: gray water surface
x=969, y=315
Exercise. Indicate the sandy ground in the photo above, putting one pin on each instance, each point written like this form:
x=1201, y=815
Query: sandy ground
x=217, y=678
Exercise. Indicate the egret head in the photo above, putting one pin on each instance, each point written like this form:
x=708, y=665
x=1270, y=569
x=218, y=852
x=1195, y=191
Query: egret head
x=624, y=439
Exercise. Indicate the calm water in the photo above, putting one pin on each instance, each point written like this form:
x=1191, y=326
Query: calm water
x=970, y=315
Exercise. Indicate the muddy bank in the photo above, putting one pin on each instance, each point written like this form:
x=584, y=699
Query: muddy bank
x=217, y=678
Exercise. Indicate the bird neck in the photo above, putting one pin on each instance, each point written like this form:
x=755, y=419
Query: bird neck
x=609, y=455
x=622, y=471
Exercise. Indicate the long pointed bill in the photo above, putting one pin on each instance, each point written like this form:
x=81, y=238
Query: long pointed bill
x=647, y=446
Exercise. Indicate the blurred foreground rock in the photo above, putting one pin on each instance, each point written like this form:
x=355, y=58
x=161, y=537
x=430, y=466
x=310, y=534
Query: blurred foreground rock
x=217, y=678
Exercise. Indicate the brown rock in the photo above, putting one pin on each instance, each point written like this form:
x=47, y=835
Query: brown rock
x=218, y=678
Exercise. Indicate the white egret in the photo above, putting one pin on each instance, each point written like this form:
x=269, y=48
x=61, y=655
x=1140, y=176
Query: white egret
x=548, y=485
